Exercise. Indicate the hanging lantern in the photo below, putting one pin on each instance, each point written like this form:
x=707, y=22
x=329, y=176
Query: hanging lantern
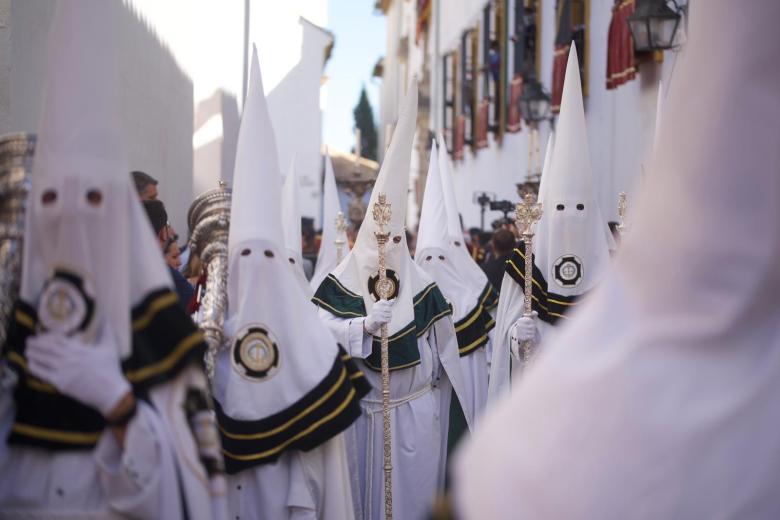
x=534, y=101
x=653, y=25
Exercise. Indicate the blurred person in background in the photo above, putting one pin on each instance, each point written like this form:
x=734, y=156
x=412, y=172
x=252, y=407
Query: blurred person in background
x=502, y=244
x=145, y=185
x=166, y=237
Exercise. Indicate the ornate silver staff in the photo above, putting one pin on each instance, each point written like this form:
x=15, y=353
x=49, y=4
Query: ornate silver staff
x=527, y=213
x=382, y=212
x=622, y=207
x=16, y=153
x=209, y=222
x=341, y=229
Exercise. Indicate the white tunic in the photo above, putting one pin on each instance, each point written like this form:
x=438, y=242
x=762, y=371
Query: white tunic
x=300, y=485
x=420, y=400
x=108, y=482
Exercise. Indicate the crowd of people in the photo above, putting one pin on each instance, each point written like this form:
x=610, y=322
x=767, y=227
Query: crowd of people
x=575, y=378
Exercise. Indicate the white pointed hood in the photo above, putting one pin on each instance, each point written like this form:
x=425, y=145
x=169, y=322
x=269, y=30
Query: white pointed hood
x=87, y=237
x=665, y=385
x=327, y=259
x=473, y=275
x=278, y=351
x=546, y=164
x=431, y=234
x=571, y=242
x=447, y=259
x=356, y=271
x=291, y=225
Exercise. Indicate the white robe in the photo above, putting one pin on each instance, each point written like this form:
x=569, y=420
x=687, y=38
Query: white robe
x=300, y=485
x=420, y=401
x=511, y=306
x=139, y=482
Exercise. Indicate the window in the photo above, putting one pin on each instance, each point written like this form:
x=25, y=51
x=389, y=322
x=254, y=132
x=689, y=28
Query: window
x=448, y=98
x=525, y=23
x=572, y=17
x=469, y=48
x=494, y=49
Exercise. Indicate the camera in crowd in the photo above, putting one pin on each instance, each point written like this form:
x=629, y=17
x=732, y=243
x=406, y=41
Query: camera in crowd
x=504, y=206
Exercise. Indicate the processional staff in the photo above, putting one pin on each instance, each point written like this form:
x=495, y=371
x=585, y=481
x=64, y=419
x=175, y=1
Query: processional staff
x=341, y=229
x=384, y=287
x=527, y=213
x=622, y=207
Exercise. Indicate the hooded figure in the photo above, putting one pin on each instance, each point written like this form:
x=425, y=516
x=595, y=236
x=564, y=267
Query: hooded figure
x=570, y=246
x=327, y=260
x=667, y=407
x=110, y=409
x=423, y=349
x=291, y=224
x=466, y=289
x=283, y=389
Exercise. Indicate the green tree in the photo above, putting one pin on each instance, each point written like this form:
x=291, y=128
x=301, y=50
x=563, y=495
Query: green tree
x=364, y=120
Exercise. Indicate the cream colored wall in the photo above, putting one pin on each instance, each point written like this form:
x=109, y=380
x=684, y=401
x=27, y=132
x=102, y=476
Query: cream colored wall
x=184, y=66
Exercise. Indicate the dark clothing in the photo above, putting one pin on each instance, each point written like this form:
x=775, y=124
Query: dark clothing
x=494, y=268
x=183, y=288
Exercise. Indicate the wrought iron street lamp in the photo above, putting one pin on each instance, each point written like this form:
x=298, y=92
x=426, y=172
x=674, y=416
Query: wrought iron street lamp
x=654, y=25
x=534, y=101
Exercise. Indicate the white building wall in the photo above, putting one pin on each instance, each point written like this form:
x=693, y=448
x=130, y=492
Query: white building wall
x=184, y=62
x=620, y=122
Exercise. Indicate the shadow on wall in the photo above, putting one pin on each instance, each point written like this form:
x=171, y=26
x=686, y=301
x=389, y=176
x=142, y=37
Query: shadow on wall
x=156, y=97
x=214, y=141
x=157, y=109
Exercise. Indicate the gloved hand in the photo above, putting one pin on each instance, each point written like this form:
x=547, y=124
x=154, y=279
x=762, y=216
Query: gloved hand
x=380, y=314
x=90, y=374
x=521, y=331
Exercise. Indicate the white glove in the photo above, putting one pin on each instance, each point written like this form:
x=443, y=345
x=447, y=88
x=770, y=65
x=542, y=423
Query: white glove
x=90, y=374
x=379, y=315
x=521, y=331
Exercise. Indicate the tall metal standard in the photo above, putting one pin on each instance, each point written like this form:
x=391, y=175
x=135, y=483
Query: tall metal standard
x=527, y=214
x=382, y=212
x=622, y=208
x=209, y=222
x=16, y=153
x=341, y=229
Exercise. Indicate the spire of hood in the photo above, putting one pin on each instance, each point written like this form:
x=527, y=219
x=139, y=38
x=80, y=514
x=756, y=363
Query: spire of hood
x=256, y=211
x=393, y=178
x=569, y=175
x=546, y=164
x=327, y=257
x=291, y=215
x=431, y=233
x=79, y=131
x=454, y=228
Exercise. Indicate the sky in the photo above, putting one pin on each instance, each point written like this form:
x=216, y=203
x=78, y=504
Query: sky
x=360, y=42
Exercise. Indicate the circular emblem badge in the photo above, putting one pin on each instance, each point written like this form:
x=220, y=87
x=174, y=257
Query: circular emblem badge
x=255, y=353
x=392, y=285
x=67, y=305
x=567, y=271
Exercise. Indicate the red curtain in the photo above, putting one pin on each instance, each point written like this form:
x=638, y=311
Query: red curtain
x=483, y=114
x=561, y=57
x=423, y=18
x=514, y=117
x=460, y=137
x=621, y=67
